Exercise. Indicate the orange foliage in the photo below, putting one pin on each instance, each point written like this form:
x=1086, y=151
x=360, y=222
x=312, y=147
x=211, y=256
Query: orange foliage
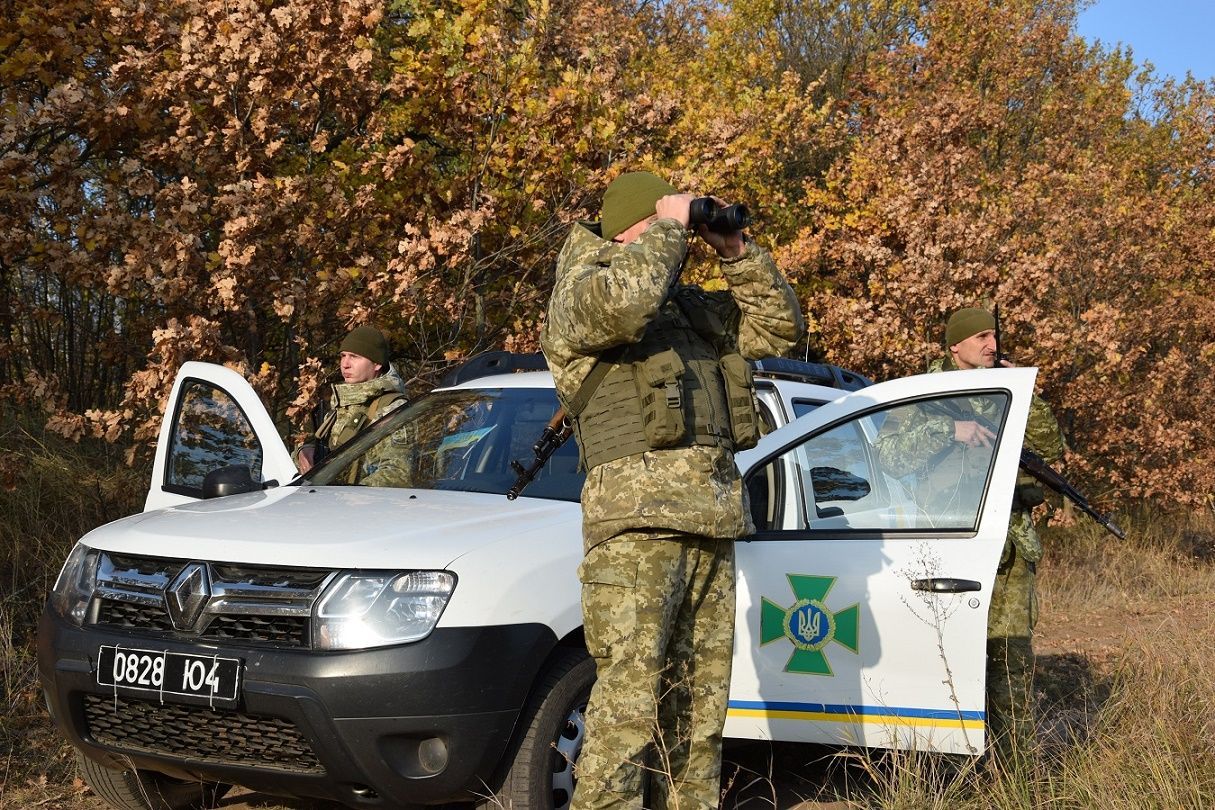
x=1002, y=160
x=243, y=181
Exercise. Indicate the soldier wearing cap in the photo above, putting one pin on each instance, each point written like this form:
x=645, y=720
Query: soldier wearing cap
x=370, y=388
x=654, y=373
x=970, y=342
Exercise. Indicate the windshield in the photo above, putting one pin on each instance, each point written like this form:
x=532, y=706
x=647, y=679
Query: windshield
x=460, y=439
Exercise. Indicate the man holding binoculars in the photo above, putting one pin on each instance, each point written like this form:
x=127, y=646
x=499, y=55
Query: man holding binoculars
x=654, y=376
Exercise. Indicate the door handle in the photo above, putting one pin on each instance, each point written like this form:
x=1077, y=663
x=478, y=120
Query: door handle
x=946, y=585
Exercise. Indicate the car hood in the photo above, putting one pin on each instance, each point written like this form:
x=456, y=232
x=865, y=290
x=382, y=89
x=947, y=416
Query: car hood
x=336, y=527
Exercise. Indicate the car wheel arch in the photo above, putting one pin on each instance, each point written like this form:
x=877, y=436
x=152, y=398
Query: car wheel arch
x=549, y=725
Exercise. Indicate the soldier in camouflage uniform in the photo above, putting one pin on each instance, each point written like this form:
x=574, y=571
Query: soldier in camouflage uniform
x=653, y=372
x=970, y=338
x=370, y=388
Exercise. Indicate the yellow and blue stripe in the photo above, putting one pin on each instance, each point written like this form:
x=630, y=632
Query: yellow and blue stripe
x=844, y=713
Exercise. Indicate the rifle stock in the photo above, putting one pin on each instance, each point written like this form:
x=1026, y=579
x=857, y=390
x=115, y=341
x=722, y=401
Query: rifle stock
x=551, y=438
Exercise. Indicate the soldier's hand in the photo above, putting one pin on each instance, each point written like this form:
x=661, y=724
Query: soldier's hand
x=304, y=458
x=972, y=434
x=676, y=207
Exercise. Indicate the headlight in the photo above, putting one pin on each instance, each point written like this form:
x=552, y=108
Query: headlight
x=360, y=610
x=74, y=588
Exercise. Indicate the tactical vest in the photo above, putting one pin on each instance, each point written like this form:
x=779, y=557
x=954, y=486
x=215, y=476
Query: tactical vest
x=324, y=433
x=671, y=389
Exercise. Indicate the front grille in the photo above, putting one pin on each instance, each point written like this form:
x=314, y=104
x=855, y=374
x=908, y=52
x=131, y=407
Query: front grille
x=130, y=615
x=250, y=604
x=199, y=733
x=284, y=631
x=270, y=577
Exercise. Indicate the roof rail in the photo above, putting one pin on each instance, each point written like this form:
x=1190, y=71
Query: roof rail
x=496, y=362
x=502, y=362
x=818, y=373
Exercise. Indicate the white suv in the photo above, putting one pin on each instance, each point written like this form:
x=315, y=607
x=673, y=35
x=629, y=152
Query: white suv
x=420, y=641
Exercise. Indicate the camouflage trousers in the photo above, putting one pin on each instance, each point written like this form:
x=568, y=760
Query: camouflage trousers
x=658, y=611
x=1011, y=726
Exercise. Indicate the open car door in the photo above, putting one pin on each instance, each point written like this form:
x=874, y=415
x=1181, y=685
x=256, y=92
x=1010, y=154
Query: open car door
x=863, y=596
x=213, y=419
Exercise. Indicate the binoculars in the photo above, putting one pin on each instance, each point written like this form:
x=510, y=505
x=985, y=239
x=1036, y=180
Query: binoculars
x=705, y=211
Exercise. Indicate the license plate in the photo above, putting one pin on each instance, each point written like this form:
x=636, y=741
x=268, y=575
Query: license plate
x=169, y=673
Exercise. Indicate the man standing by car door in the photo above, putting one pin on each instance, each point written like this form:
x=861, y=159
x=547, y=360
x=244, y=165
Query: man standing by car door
x=654, y=375
x=970, y=341
x=370, y=388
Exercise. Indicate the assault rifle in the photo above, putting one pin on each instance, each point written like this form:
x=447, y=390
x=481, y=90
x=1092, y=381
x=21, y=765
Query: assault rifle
x=552, y=437
x=1036, y=466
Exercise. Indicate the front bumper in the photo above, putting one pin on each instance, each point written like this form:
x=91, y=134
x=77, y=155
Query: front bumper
x=354, y=727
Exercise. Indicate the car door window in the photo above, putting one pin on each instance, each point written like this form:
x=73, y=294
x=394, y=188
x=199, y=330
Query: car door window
x=210, y=431
x=801, y=407
x=895, y=468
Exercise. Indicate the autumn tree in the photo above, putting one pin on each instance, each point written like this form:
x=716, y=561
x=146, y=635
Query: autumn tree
x=242, y=182
x=825, y=42
x=1004, y=160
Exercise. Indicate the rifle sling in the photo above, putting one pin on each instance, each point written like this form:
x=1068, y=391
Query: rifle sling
x=603, y=365
x=610, y=357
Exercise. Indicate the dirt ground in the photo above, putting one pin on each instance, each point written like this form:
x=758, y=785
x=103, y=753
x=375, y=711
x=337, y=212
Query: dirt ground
x=779, y=777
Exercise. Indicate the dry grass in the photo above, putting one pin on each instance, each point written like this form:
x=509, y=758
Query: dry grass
x=55, y=492
x=1164, y=558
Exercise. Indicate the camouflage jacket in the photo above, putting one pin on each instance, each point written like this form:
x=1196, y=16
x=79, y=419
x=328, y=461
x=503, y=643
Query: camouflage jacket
x=1042, y=434
x=607, y=295
x=924, y=435
x=348, y=407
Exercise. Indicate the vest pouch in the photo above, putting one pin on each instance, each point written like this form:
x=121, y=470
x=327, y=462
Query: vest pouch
x=740, y=396
x=661, y=395
x=1021, y=533
x=1028, y=495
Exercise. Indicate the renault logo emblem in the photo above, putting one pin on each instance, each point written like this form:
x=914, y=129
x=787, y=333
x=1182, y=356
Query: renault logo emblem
x=187, y=595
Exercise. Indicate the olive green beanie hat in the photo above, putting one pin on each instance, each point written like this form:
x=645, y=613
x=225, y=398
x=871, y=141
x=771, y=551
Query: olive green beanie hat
x=629, y=199
x=368, y=342
x=966, y=322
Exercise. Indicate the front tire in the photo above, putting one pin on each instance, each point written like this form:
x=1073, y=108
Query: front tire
x=134, y=789
x=551, y=731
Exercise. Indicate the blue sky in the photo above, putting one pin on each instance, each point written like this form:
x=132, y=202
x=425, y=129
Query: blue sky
x=1174, y=35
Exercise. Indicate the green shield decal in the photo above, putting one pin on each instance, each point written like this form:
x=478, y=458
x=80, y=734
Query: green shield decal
x=809, y=624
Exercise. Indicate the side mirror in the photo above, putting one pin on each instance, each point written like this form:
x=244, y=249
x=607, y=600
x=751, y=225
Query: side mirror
x=231, y=480
x=831, y=484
